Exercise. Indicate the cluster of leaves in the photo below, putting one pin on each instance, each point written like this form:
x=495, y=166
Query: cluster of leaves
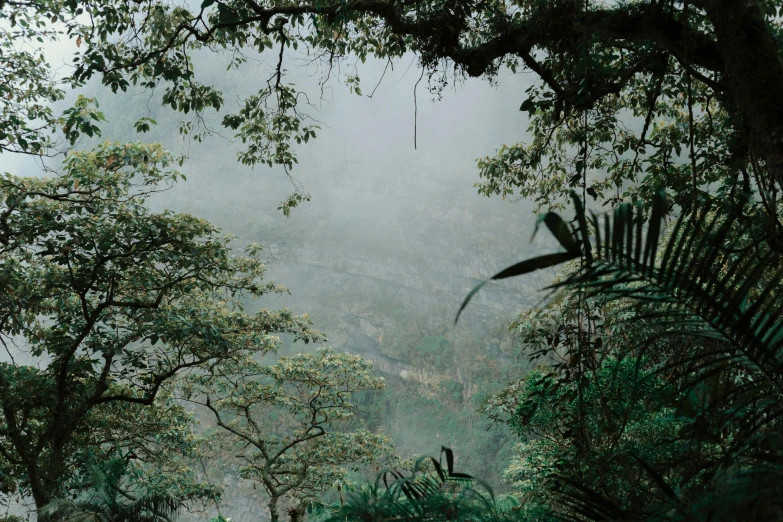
x=105, y=497
x=431, y=491
x=600, y=436
x=626, y=91
x=623, y=145
x=30, y=87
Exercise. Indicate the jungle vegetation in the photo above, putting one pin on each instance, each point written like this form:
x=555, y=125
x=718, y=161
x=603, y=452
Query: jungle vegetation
x=656, y=388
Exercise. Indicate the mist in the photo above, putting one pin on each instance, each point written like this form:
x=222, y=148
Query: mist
x=394, y=237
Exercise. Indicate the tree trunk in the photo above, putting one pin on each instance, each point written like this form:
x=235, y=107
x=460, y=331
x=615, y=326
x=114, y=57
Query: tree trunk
x=755, y=74
x=41, y=496
x=274, y=516
x=45, y=475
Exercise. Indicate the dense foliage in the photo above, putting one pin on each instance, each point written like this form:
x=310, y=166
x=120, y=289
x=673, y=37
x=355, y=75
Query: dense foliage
x=658, y=393
x=105, y=495
x=672, y=412
x=431, y=490
x=627, y=89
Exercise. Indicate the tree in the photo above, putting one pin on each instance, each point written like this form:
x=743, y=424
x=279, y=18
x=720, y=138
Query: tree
x=288, y=421
x=104, y=302
x=697, y=79
x=28, y=123
x=633, y=96
x=592, y=424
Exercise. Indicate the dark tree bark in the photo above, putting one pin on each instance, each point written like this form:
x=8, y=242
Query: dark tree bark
x=274, y=514
x=755, y=73
x=41, y=496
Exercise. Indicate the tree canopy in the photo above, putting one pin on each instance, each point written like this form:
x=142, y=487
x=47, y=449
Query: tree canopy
x=103, y=303
x=288, y=423
x=638, y=95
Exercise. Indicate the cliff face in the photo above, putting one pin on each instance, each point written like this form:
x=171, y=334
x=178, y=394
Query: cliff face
x=381, y=259
x=393, y=235
x=371, y=255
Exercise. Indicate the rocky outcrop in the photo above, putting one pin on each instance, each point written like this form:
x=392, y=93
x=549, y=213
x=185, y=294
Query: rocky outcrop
x=371, y=252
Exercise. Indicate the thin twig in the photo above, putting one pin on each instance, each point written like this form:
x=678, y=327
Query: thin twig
x=416, y=111
x=388, y=63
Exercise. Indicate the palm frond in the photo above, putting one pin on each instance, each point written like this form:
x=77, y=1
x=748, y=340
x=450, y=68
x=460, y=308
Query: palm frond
x=705, y=284
x=431, y=492
x=104, y=499
x=703, y=279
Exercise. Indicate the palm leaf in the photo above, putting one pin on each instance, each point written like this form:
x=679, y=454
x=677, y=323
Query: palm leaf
x=705, y=284
x=423, y=495
x=103, y=499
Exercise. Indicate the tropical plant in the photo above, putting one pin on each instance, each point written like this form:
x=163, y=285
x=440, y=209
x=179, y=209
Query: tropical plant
x=105, y=496
x=589, y=425
x=431, y=491
x=722, y=399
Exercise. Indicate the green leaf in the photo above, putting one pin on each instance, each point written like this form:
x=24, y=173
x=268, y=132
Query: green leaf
x=523, y=267
x=536, y=263
x=468, y=298
x=560, y=230
x=584, y=232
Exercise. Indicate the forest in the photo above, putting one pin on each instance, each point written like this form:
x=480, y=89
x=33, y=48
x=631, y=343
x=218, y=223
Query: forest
x=271, y=260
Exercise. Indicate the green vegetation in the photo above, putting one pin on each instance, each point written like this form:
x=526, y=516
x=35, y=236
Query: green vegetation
x=650, y=387
x=431, y=491
x=676, y=416
x=105, y=495
x=282, y=421
x=112, y=302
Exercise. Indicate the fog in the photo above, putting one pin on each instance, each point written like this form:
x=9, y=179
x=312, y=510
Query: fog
x=391, y=242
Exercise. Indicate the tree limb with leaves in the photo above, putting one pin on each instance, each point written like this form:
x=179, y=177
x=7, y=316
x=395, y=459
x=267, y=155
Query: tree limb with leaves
x=599, y=65
x=105, y=302
x=289, y=423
